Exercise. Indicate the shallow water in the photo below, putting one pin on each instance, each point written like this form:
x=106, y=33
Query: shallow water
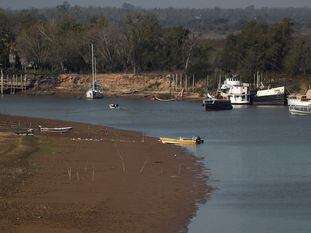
x=259, y=158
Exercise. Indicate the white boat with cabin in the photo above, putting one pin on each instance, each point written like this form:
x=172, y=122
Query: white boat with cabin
x=236, y=91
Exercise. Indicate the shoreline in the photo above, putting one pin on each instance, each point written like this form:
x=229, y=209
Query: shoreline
x=77, y=94
x=115, y=184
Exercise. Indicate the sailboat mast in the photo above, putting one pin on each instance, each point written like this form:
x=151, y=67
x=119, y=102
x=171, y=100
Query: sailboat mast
x=95, y=69
x=93, y=72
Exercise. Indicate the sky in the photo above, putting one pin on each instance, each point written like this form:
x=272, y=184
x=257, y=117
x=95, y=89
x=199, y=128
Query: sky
x=21, y=4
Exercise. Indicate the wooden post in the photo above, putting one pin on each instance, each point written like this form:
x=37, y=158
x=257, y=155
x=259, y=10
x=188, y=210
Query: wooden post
x=14, y=83
x=1, y=82
x=207, y=83
x=25, y=81
x=180, y=85
x=11, y=83
x=21, y=83
x=186, y=84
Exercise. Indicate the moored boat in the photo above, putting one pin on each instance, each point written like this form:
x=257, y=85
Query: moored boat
x=235, y=90
x=114, y=106
x=95, y=91
x=269, y=96
x=299, y=110
x=55, y=130
x=164, y=100
x=215, y=104
x=300, y=100
x=181, y=140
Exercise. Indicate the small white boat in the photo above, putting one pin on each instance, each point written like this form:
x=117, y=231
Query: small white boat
x=55, y=130
x=114, y=106
x=299, y=110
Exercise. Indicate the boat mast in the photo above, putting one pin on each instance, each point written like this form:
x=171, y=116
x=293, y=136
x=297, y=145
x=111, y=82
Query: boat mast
x=93, y=70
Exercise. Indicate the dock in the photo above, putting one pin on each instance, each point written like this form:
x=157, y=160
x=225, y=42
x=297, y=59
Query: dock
x=10, y=84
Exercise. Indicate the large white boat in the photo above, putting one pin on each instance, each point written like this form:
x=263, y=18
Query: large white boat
x=236, y=91
x=95, y=91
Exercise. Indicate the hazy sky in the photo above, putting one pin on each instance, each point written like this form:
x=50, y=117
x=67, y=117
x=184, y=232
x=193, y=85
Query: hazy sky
x=19, y=4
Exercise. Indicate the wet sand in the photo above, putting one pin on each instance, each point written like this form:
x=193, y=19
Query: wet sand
x=94, y=179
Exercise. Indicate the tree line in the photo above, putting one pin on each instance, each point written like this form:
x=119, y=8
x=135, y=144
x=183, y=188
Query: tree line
x=139, y=43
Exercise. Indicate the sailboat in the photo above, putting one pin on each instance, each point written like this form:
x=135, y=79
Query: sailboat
x=94, y=92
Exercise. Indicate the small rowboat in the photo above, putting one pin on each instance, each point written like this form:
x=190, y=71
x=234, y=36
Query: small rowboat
x=114, y=106
x=163, y=100
x=180, y=140
x=55, y=130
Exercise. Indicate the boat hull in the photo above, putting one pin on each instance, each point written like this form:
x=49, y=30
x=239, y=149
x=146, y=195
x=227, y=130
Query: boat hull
x=55, y=130
x=269, y=100
x=94, y=94
x=300, y=110
x=217, y=105
x=184, y=141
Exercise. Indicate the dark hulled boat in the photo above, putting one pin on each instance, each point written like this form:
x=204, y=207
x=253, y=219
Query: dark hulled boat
x=272, y=96
x=212, y=104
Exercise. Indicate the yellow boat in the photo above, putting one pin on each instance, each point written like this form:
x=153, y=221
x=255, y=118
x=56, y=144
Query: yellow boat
x=180, y=140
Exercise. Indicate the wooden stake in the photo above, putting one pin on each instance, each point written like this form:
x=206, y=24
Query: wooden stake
x=143, y=136
x=93, y=175
x=122, y=163
x=142, y=168
x=78, y=177
x=179, y=169
x=69, y=173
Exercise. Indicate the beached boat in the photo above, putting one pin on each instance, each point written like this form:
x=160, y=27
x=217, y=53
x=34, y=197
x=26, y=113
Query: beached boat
x=300, y=110
x=28, y=132
x=114, y=106
x=215, y=104
x=235, y=91
x=181, y=140
x=55, y=130
x=95, y=91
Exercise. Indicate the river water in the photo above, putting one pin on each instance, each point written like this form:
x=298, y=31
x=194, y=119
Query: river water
x=258, y=158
